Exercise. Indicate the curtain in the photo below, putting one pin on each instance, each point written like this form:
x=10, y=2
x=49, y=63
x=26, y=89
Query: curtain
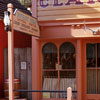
x=52, y=84
x=91, y=81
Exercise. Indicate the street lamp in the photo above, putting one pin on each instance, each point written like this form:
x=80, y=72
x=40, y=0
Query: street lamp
x=7, y=21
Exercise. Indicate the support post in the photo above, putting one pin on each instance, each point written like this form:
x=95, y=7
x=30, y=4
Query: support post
x=69, y=93
x=79, y=70
x=36, y=79
x=11, y=55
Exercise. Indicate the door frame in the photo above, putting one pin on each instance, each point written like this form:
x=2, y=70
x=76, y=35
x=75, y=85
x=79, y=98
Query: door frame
x=84, y=74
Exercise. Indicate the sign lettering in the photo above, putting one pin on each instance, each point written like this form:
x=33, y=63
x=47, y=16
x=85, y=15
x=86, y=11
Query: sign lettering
x=68, y=2
x=26, y=24
x=49, y=10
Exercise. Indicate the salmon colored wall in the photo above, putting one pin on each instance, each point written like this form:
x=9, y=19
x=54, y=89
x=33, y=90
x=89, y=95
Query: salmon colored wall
x=68, y=31
x=21, y=41
x=36, y=68
x=56, y=32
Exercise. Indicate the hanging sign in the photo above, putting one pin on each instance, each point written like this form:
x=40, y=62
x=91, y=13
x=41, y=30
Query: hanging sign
x=26, y=24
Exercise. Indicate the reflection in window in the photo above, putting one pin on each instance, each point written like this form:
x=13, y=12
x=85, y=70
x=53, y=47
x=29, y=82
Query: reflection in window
x=91, y=81
x=98, y=75
x=49, y=74
x=49, y=56
x=91, y=55
x=98, y=54
x=58, y=76
x=67, y=56
x=67, y=72
x=93, y=68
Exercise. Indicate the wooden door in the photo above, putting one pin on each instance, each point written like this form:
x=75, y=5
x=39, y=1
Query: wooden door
x=92, y=71
x=23, y=68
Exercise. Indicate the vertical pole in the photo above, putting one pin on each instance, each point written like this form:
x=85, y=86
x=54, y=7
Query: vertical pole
x=69, y=93
x=35, y=68
x=35, y=59
x=58, y=75
x=79, y=70
x=11, y=55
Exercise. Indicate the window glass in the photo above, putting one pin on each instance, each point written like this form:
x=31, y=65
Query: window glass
x=49, y=56
x=58, y=76
x=91, y=81
x=98, y=55
x=67, y=56
x=98, y=81
x=50, y=73
x=67, y=68
x=91, y=55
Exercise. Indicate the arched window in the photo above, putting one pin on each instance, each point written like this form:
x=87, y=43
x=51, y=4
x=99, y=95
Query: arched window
x=67, y=67
x=49, y=56
x=67, y=56
x=58, y=74
x=49, y=72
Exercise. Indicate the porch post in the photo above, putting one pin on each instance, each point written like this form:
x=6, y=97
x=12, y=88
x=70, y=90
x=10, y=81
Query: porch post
x=35, y=58
x=35, y=68
x=11, y=55
x=79, y=70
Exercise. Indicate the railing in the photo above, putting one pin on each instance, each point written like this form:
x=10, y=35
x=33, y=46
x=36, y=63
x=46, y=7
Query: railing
x=68, y=92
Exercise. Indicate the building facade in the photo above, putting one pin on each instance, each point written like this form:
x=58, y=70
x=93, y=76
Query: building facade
x=67, y=52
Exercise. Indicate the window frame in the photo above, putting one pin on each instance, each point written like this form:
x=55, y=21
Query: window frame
x=96, y=68
x=58, y=54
